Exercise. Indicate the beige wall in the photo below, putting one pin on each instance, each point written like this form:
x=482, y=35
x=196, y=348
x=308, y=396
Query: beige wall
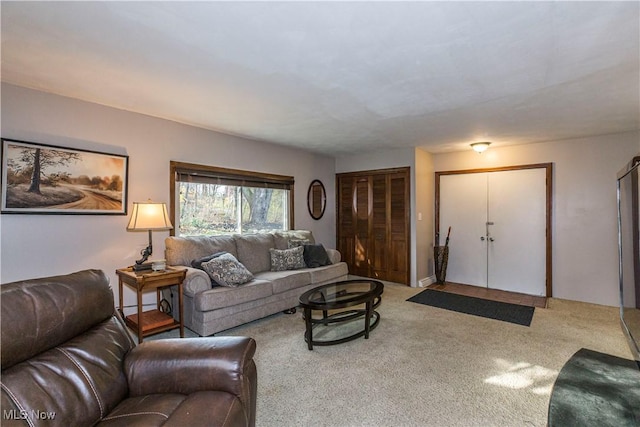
x=585, y=252
x=42, y=245
x=384, y=159
x=584, y=242
x=425, y=200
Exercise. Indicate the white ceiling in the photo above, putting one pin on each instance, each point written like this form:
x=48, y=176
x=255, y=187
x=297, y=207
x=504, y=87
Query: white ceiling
x=338, y=78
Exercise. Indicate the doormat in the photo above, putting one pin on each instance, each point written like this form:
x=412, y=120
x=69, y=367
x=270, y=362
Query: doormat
x=596, y=389
x=513, y=313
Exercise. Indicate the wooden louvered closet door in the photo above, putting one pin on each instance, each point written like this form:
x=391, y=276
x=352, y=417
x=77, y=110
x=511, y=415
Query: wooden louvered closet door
x=373, y=223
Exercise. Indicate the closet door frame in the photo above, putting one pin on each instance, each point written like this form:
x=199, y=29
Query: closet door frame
x=549, y=209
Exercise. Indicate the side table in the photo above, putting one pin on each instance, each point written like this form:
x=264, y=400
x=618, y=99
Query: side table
x=151, y=321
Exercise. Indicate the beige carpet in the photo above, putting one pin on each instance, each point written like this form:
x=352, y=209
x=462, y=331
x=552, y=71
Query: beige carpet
x=424, y=366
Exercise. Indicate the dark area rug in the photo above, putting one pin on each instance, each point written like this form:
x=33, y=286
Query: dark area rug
x=513, y=313
x=596, y=389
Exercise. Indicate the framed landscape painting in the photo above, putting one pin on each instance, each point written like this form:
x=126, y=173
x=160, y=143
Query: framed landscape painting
x=45, y=179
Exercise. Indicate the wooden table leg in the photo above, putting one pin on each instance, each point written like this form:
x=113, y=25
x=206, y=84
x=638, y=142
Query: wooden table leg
x=139, y=316
x=121, y=298
x=181, y=308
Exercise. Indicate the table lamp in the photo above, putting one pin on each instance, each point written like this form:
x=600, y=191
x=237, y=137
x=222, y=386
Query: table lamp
x=148, y=216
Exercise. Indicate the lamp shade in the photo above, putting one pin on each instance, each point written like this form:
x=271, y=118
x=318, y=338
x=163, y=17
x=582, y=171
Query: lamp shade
x=149, y=216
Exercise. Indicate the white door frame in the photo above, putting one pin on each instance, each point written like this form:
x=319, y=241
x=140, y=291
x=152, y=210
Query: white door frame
x=549, y=189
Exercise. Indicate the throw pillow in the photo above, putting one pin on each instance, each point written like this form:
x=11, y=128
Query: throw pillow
x=294, y=243
x=197, y=263
x=316, y=256
x=226, y=270
x=287, y=259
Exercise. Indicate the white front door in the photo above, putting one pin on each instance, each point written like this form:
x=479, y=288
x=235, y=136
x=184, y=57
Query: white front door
x=517, y=231
x=463, y=207
x=498, y=229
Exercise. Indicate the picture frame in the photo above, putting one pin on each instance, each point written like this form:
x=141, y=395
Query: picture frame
x=49, y=179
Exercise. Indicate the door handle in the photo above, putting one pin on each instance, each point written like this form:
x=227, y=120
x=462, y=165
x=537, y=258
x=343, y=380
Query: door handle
x=491, y=239
x=482, y=238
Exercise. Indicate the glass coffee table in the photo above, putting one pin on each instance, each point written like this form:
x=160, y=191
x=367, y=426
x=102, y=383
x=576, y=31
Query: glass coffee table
x=337, y=325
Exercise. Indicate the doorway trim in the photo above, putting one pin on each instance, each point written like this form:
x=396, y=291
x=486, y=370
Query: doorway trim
x=549, y=209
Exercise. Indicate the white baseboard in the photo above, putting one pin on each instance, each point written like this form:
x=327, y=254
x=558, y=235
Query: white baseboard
x=423, y=283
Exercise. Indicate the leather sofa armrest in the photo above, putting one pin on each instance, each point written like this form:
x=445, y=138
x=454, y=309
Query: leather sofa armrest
x=334, y=255
x=187, y=365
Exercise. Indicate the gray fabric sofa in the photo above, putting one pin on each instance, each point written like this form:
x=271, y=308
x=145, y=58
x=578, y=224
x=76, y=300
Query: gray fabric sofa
x=208, y=309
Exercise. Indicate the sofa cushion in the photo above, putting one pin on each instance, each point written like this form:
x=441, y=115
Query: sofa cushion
x=210, y=408
x=281, y=238
x=282, y=281
x=210, y=322
x=221, y=297
x=226, y=270
x=253, y=251
x=183, y=250
x=148, y=410
x=215, y=408
x=315, y=256
x=329, y=272
x=287, y=259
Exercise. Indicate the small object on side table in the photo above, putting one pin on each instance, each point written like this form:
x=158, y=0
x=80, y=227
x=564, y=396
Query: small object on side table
x=152, y=321
x=145, y=266
x=159, y=265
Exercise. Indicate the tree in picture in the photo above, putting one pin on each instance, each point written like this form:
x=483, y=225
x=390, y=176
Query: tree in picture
x=39, y=178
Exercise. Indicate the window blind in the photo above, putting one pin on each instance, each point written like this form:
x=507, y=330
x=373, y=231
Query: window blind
x=211, y=177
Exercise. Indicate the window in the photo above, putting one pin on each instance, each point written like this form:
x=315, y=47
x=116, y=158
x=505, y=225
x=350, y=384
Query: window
x=207, y=200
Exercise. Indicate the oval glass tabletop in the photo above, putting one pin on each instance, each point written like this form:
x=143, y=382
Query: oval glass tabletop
x=341, y=294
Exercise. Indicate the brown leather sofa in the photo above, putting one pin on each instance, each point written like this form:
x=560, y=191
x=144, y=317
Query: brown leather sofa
x=68, y=360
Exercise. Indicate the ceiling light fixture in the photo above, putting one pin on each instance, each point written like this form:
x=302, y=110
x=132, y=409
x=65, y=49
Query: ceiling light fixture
x=480, y=147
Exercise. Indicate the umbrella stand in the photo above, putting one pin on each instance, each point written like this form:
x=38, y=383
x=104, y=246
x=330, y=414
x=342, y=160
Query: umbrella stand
x=441, y=256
